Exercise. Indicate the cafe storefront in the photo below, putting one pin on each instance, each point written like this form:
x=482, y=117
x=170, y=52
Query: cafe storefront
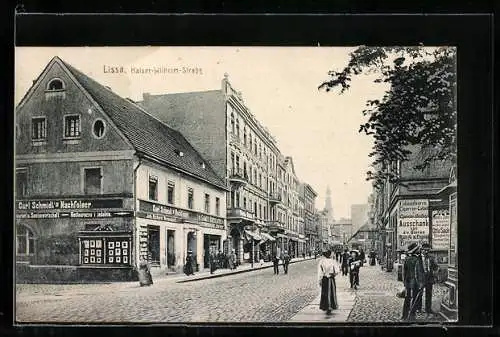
x=179, y=231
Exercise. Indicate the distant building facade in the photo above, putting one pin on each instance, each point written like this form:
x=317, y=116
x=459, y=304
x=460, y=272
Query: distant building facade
x=359, y=215
x=262, y=205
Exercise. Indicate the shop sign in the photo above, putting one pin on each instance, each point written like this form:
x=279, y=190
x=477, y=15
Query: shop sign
x=412, y=230
x=441, y=229
x=77, y=215
x=26, y=205
x=418, y=208
x=160, y=212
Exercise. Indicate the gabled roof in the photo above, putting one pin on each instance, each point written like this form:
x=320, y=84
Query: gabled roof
x=149, y=136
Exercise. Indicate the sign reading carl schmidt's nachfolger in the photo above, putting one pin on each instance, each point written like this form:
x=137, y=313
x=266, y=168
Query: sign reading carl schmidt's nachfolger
x=24, y=205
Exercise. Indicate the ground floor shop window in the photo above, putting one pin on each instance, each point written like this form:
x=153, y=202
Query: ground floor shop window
x=211, y=246
x=25, y=241
x=154, y=245
x=105, y=250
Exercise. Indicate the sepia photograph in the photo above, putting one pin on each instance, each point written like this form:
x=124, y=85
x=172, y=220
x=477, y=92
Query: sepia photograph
x=235, y=185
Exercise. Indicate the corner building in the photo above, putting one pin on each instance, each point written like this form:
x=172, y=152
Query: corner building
x=261, y=200
x=101, y=184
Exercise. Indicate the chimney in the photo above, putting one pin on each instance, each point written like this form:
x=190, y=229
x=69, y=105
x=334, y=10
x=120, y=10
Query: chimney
x=146, y=96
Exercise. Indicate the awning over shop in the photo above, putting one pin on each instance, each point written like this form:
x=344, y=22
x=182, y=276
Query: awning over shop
x=252, y=235
x=301, y=240
x=267, y=237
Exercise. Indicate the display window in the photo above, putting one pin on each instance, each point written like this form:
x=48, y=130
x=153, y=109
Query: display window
x=105, y=250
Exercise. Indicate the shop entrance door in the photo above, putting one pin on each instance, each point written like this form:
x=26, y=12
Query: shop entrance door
x=154, y=245
x=171, y=249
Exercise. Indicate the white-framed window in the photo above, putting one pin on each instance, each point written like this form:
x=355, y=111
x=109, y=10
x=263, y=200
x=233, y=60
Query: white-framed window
x=171, y=192
x=38, y=128
x=153, y=187
x=217, y=206
x=25, y=240
x=72, y=126
x=207, y=203
x=21, y=182
x=190, y=199
x=92, y=180
x=98, y=128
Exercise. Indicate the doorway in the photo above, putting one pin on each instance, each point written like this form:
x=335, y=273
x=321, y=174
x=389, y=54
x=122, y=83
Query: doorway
x=171, y=249
x=154, y=245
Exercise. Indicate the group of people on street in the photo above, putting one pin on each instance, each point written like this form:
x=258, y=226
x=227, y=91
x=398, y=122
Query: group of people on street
x=222, y=260
x=350, y=263
x=419, y=275
x=285, y=258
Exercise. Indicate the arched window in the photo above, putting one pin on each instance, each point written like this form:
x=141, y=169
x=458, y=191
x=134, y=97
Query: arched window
x=245, y=135
x=238, y=128
x=232, y=123
x=55, y=84
x=25, y=241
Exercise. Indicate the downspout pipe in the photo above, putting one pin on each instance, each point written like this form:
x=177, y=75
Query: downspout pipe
x=136, y=229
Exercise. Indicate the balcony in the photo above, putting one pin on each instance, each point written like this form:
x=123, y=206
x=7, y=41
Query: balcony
x=274, y=198
x=237, y=178
x=275, y=226
x=240, y=215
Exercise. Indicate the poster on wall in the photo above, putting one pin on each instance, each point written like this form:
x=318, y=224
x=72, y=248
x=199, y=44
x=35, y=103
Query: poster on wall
x=441, y=229
x=414, y=208
x=413, y=222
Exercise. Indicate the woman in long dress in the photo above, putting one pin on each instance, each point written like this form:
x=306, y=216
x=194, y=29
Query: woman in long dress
x=326, y=279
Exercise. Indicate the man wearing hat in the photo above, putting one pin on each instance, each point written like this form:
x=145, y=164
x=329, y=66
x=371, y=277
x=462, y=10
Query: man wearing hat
x=413, y=279
x=430, y=267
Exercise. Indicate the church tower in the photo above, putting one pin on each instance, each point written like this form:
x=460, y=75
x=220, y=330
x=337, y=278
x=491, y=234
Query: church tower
x=328, y=205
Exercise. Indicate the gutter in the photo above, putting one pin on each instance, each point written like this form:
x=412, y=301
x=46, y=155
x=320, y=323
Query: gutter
x=222, y=187
x=136, y=230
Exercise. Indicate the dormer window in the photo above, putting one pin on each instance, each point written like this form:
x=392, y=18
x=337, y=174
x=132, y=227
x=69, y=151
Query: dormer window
x=55, y=88
x=55, y=84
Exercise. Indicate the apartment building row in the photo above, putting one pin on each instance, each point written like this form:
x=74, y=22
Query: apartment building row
x=103, y=182
x=266, y=202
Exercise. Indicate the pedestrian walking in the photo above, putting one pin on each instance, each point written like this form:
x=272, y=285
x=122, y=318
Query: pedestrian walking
x=430, y=268
x=344, y=262
x=303, y=255
x=276, y=262
x=372, y=258
x=362, y=256
x=188, y=266
x=326, y=280
x=212, y=260
x=354, y=266
x=413, y=278
x=231, y=260
x=145, y=278
x=286, y=261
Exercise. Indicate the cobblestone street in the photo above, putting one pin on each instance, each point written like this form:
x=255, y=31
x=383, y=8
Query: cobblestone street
x=257, y=296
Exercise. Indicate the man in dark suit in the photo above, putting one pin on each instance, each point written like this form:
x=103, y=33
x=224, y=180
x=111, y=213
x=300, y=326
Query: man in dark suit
x=430, y=268
x=413, y=279
x=344, y=262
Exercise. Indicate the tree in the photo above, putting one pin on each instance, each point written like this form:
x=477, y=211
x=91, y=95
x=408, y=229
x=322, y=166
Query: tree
x=419, y=108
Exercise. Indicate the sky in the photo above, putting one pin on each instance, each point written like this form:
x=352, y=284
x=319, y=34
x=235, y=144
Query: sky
x=279, y=85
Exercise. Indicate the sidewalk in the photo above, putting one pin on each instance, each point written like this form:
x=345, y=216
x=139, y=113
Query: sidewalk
x=41, y=292
x=345, y=297
x=240, y=269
